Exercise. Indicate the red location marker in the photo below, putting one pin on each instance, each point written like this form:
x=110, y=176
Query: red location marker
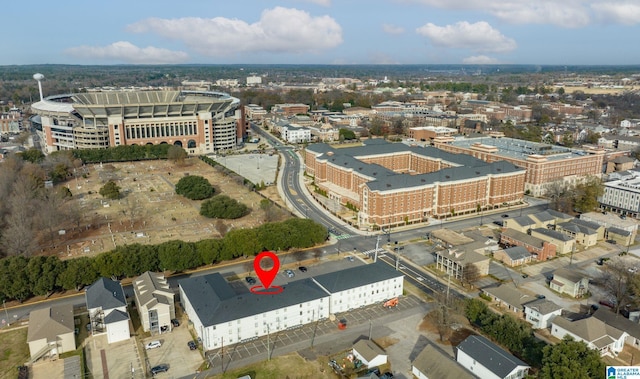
x=266, y=276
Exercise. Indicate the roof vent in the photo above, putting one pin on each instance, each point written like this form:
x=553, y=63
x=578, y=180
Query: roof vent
x=388, y=185
x=447, y=176
x=114, y=294
x=477, y=172
x=498, y=169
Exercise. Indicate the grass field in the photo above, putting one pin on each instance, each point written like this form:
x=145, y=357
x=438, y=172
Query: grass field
x=14, y=352
x=288, y=366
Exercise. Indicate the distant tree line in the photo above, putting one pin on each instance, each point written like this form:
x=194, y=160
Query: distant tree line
x=22, y=277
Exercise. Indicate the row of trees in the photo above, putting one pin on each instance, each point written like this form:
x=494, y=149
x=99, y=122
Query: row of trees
x=122, y=153
x=22, y=277
x=568, y=359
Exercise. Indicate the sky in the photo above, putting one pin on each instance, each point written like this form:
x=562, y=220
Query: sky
x=554, y=32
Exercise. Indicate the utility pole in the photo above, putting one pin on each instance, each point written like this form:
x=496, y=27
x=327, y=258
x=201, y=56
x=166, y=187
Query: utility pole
x=448, y=285
x=370, y=326
x=375, y=254
x=268, y=344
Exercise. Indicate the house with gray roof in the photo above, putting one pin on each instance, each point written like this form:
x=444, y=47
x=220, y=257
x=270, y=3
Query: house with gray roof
x=432, y=363
x=507, y=295
x=489, y=361
x=569, y=281
x=154, y=300
x=540, y=312
x=513, y=256
x=584, y=232
x=107, y=306
x=369, y=353
x=51, y=331
x=542, y=250
x=543, y=219
x=564, y=243
x=455, y=261
x=607, y=339
x=222, y=317
x=621, y=323
x=521, y=224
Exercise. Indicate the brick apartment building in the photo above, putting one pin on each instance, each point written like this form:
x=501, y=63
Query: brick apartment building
x=544, y=164
x=290, y=109
x=395, y=184
x=542, y=250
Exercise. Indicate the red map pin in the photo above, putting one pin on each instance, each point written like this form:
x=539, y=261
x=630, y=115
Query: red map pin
x=266, y=276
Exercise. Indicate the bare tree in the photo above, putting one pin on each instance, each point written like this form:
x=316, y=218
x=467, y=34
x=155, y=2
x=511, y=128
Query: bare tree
x=617, y=278
x=132, y=210
x=470, y=274
x=440, y=318
x=51, y=212
x=222, y=228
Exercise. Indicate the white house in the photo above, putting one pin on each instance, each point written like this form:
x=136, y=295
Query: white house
x=51, y=331
x=294, y=134
x=541, y=312
x=594, y=332
x=155, y=302
x=432, y=363
x=107, y=306
x=369, y=353
x=488, y=361
x=221, y=317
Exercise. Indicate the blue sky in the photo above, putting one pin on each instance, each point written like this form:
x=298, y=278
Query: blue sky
x=559, y=32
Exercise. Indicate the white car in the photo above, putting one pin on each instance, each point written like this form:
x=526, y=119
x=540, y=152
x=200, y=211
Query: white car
x=153, y=345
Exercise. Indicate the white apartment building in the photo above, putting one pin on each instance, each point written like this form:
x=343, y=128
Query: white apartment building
x=622, y=196
x=222, y=317
x=294, y=134
x=254, y=80
x=107, y=306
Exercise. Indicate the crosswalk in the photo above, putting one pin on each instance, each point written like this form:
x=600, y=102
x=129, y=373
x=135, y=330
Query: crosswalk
x=344, y=236
x=372, y=252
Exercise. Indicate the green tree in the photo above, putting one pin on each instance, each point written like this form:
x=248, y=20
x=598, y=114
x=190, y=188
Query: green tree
x=223, y=206
x=571, y=359
x=586, y=194
x=77, y=273
x=178, y=255
x=347, y=134
x=110, y=190
x=194, y=187
x=43, y=273
x=32, y=155
x=59, y=173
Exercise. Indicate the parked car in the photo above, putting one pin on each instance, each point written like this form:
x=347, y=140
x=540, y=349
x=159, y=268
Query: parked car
x=607, y=303
x=505, y=215
x=192, y=345
x=175, y=323
x=158, y=369
x=153, y=345
x=302, y=269
x=350, y=258
x=289, y=273
x=251, y=280
x=613, y=242
x=499, y=223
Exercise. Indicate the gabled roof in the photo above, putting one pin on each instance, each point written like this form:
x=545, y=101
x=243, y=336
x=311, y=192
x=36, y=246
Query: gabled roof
x=523, y=237
x=620, y=232
x=559, y=215
x=368, y=350
x=105, y=293
x=576, y=228
x=591, y=330
x=433, y=363
x=509, y=294
x=618, y=321
x=544, y=217
x=522, y=221
x=569, y=275
x=491, y=356
x=553, y=234
x=151, y=288
x=115, y=316
x=543, y=306
x=50, y=322
x=517, y=252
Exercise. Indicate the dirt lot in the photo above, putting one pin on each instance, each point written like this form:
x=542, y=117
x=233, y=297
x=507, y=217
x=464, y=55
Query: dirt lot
x=149, y=211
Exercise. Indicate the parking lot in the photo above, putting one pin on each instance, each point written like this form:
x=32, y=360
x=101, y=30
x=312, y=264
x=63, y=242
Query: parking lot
x=303, y=337
x=174, y=353
x=116, y=360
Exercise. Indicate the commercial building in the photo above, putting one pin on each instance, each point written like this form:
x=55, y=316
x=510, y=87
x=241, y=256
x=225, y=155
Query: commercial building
x=622, y=197
x=200, y=122
x=154, y=300
x=544, y=163
x=289, y=109
x=222, y=317
x=395, y=184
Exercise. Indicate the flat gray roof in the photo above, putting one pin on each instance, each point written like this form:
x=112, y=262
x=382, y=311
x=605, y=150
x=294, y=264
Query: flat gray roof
x=356, y=277
x=520, y=149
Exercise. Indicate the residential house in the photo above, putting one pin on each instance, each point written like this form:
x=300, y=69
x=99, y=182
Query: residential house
x=509, y=296
x=559, y=216
x=592, y=331
x=369, y=353
x=612, y=221
x=584, y=232
x=543, y=219
x=513, y=256
x=155, y=303
x=564, y=243
x=620, y=236
x=522, y=224
x=570, y=282
x=488, y=361
x=542, y=250
x=454, y=262
x=107, y=306
x=541, y=312
x=621, y=323
x=432, y=363
x=51, y=331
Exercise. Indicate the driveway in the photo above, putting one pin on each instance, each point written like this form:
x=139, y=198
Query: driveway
x=116, y=360
x=174, y=352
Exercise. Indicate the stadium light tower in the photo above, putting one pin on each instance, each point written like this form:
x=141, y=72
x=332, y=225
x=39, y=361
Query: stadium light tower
x=39, y=77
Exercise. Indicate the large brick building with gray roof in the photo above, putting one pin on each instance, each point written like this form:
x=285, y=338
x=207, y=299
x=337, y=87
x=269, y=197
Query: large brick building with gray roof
x=394, y=184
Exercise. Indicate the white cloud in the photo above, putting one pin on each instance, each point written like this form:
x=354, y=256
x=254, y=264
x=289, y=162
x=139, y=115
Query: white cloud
x=618, y=13
x=123, y=51
x=279, y=30
x=392, y=29
x=479, y=59
x=479, y=36
x=564, y=13
x=325, y=3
